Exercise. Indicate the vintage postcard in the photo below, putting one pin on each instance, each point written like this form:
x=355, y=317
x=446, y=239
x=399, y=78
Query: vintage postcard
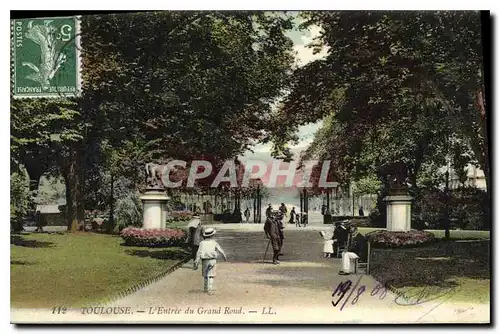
x=250, y=167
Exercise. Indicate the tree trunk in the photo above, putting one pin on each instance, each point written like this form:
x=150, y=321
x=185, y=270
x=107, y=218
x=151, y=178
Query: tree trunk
x=328, y=200
x=34, y=169
x=446, y=207
x=480, y=103
x=111, y=220
x=74, y=204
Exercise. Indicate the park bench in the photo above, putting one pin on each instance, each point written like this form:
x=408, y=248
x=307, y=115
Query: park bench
x=363, y=265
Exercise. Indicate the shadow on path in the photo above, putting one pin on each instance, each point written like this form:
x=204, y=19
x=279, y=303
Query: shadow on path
x=165, y=254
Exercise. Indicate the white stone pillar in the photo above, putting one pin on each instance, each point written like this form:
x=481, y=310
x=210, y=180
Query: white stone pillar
x=398, y=212
x=153, y=209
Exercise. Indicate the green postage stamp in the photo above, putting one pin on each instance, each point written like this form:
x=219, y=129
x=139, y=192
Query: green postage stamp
x=46, y=59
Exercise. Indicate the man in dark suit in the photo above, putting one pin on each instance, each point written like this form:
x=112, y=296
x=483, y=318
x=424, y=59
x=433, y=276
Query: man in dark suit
x=357, y=250
x=340, y=236
x=273, y=232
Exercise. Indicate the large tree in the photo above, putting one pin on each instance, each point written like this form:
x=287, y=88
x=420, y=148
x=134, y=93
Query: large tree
x=394, y=86
x=165, y=85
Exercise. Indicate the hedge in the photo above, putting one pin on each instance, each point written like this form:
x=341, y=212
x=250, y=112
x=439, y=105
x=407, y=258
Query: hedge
x=388, y=239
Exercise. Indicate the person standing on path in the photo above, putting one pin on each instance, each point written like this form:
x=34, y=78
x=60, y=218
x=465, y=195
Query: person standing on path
x=272, y=231
x=281, y=226
x=361, y=212
x=39, y=221
x=283, y=209
x=195, y=235
x=207, y=255
x=269, y=211
x=292, y=216
x=247, y=215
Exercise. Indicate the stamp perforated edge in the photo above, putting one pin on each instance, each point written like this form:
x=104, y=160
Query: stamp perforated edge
x=78, y=55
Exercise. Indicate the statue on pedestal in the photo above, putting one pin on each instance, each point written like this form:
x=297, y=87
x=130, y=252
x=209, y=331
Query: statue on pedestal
x=153, y=177
x=397, y=175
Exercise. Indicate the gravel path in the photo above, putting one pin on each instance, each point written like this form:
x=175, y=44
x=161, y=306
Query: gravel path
x=299, y=290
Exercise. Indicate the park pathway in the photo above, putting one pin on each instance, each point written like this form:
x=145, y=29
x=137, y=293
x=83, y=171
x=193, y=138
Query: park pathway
x=299, y=290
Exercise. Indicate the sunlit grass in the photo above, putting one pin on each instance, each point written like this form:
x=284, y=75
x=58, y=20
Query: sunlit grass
x=75, y=269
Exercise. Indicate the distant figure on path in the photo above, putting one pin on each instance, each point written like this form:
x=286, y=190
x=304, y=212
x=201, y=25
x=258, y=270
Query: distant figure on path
x=272, y=231
x=304, y=219
x=281, y=225
x=357, y=250
x=269, y=211
x=283, y=209
x=207, y=255
x=361, y=212
x=247, y=215
x=39, y=221
x=293, y=214
x=323, y=210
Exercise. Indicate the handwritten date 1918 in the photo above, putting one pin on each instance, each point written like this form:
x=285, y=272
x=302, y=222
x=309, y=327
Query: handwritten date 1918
x=344, y=287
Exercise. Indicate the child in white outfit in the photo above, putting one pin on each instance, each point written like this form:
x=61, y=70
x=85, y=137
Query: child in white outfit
x=328, y=244
x=207, y=255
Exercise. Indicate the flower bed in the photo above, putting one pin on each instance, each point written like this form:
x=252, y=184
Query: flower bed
x=153, y=237
x=387, y=239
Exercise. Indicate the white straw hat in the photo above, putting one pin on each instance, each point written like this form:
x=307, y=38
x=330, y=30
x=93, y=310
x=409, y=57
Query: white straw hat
x=209, y=232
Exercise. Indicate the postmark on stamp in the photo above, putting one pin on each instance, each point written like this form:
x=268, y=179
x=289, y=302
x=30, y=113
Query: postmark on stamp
x=45, y=57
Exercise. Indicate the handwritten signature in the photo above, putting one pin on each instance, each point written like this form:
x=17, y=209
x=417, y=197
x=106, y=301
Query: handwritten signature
x=413, y=296
x=420, y=295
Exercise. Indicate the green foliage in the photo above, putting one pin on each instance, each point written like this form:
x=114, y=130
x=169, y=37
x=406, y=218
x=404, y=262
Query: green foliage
x=40, y=127
x=195, y=83
x=128, y=211
x=50, y=190
x=366, y=185
x=395, y=86
x=469, y=209
x=21, y=198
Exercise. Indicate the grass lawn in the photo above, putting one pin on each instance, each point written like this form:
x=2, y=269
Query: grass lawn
x=454, y=234
x=178, y=224
x=463, y=234
x=49, y=270
x=462, y=290
x=460, y=268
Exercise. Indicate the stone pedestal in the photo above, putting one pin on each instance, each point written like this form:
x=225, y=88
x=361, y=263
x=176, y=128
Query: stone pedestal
x=398, y=212
x=153, y=206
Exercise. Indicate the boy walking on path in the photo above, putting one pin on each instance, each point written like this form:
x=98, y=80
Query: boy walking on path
x=207, y=255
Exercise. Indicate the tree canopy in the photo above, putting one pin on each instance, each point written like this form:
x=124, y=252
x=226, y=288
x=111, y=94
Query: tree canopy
x=157, y=86
x=394, y=86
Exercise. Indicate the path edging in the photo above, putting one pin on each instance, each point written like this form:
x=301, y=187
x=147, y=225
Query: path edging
x=138, y=286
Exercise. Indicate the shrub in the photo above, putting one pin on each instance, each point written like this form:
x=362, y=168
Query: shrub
x=153, y=237
x=90, y=215
x=387, y=239
x=128, y=211
x=468, y=209
x=181, y=215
